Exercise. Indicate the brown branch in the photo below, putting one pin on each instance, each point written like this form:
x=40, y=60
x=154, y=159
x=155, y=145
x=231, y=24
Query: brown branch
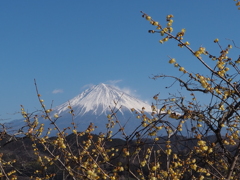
x=183, y=83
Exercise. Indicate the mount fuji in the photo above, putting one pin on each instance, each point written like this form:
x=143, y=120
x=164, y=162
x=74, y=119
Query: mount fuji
x=98, y=100
x=94, y=105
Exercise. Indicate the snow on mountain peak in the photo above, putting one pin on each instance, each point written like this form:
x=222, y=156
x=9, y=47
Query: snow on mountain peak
x=99, y=99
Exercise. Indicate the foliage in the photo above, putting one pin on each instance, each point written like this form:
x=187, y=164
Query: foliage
x=209, y=150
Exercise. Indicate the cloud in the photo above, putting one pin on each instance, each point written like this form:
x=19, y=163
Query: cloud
x=87, y=86
x=129, y=91
x=113, y=82
x=56, y=91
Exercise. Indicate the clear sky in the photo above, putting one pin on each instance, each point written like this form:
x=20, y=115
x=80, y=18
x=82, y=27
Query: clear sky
x=67, y=45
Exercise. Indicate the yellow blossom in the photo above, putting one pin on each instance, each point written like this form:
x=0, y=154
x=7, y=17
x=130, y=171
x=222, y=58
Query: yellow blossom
x=171, y=61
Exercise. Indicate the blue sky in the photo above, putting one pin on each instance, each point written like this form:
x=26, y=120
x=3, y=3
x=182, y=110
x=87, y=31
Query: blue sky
x=68, y=45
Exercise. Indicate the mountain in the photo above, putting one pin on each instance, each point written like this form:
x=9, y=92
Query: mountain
x=99, y=100
x=94, y=105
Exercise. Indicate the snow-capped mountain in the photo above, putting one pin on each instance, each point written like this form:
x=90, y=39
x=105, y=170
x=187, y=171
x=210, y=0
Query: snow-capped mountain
x=94, y=105
x=99, y=100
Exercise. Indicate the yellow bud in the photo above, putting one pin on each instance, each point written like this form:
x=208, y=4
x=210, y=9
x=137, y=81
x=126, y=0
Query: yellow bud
x=226, y=69
x=199, y=125
x=201, y=143
x=171, y=61
x=165, y=39
x=170, y=16
x=202, y=49
x=226, y=142
x=155, y=23
x=63, y=146
x=168, y=151
x=144, y=124
x=197, y=53
x=175, y=156
x=204, y=148
x=183, y=30
x=170, y=29
x=181, y=69
x=176, y=65
x=148, y=18
x=161, y=41
x=154, y=168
